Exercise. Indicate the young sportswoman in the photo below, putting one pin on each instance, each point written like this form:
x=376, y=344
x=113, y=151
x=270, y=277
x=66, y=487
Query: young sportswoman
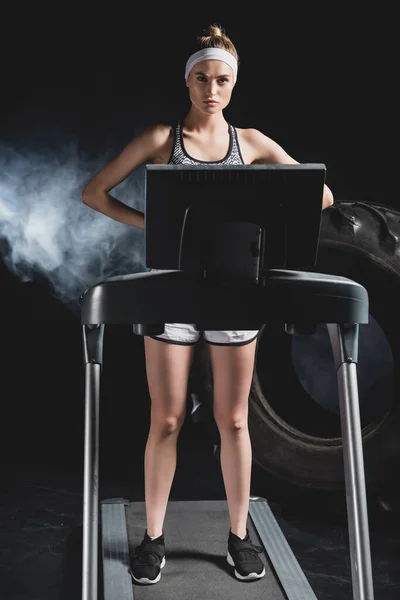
x=203, y=136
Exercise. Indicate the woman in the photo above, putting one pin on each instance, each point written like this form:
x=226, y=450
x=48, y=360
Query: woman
x=203, y=136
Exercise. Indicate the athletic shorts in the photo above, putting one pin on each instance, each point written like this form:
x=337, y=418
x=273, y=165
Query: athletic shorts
x=186, y=334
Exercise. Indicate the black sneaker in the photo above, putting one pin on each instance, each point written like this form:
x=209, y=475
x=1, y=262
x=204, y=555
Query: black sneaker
x=148, y=560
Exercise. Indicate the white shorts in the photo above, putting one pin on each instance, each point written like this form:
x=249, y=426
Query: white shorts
x=186, y=334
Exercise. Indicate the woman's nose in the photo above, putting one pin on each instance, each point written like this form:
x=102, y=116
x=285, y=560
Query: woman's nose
x=212, y=88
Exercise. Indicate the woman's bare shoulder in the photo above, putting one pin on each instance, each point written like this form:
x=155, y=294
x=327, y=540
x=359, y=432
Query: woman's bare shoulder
x=250, y=134
x=159, y=139
x=262, y=149
x=158, y=132
x=249, y=141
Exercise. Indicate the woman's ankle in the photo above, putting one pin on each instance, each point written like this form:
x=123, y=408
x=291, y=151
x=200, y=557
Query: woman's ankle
x=154, y=536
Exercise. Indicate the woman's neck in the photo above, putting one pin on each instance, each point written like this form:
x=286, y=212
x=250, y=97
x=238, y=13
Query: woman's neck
x=203, y=123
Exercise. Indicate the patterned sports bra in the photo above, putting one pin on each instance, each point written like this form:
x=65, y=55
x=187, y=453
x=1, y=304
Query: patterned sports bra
x=179, y=156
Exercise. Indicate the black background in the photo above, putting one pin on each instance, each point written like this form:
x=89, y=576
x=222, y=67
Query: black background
x=318, y=79
x=78, y=81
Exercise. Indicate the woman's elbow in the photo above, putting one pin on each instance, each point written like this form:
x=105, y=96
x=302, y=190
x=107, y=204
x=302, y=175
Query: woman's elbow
x=87, y=194
x=327, y=199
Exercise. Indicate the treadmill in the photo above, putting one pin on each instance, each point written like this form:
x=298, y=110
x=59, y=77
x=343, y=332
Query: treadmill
x=230, y=250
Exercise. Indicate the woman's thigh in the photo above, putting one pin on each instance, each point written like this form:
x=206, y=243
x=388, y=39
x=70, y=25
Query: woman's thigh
x=168, y=368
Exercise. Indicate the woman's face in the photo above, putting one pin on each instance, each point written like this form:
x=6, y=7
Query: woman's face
x=210, y=80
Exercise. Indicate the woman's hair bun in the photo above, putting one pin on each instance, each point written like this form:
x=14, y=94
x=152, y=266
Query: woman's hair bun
x=214, y=36
x=215, y=30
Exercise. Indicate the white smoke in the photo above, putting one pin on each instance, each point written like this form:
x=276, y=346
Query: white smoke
x=47, y=232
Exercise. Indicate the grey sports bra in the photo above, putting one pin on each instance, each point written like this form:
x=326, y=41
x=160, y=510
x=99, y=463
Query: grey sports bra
x=179, y=155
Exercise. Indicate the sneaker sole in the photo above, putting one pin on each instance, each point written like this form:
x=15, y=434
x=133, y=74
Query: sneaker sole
x=145, y=579
x=244, y=577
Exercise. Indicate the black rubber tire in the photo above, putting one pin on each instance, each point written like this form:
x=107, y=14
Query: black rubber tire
x=294, y=438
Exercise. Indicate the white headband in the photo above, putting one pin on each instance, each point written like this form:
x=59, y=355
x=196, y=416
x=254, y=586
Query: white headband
x=212, y=54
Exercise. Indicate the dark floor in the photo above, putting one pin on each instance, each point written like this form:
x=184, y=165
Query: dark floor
x=41, y=525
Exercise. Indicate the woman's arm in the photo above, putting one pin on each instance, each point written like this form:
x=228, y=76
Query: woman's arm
x=142, y=149
x=269, y=152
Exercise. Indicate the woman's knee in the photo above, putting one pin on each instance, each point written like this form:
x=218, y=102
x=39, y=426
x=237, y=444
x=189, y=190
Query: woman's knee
x=165, y=426
x=227, y=422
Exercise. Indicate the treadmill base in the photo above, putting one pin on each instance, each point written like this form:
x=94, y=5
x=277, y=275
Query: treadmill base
x=196, y=542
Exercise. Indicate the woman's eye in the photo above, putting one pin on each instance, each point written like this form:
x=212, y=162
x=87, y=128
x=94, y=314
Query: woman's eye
x=223, y=80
